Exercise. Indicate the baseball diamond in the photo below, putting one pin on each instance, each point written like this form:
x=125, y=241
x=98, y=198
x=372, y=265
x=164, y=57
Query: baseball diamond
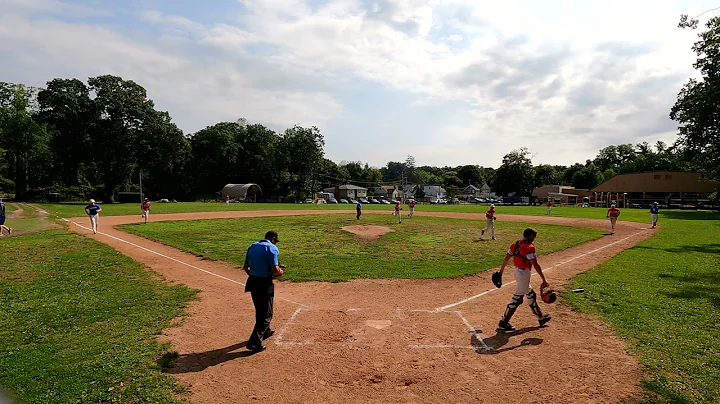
x=388, y=340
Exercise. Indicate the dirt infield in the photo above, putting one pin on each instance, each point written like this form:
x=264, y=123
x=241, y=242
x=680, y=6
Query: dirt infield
x=389, y=341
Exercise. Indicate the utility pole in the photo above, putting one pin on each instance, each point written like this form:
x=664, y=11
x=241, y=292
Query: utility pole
x=141, y=193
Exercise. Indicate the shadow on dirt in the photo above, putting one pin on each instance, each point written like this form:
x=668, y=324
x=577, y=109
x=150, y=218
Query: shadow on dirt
x=195, y=362
x=500, y=339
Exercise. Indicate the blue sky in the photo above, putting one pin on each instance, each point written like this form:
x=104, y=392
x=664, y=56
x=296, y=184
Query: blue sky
x=450, y=82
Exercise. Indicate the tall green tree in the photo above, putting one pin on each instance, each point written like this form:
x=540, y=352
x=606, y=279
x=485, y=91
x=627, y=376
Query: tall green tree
x=698, y=104
x=68, y=111
x=302, y=154
x=471, y=175
x=24, y=140
x=515, y=174
x=545, y=175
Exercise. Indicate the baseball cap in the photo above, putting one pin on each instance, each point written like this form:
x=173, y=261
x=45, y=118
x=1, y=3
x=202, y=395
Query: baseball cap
x=492, y=205
x=92, y=200
x=271, y=235
x=612, y=206
x=654, y=203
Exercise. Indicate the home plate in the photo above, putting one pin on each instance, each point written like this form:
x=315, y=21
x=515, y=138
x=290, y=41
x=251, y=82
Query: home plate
x=378, y=324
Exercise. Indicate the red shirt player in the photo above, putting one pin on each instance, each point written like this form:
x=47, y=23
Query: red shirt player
x=522, y=253
x=398, y=208
x=490, y=220
x=411, y=204
x=145, y=207
x=613, y=213
x=548, y=207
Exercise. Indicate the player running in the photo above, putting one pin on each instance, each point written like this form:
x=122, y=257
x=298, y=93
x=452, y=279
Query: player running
x=2, y=219
x=93, y=210
x=145, y=207
x=523, y=254
x=411, y=204
x=398, y=208
x=490, y=217
x=654, y=210
x=613, y=213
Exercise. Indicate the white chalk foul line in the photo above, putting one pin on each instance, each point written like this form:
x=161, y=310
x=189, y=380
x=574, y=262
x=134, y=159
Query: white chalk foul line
x=463, y=301
x=288, y=323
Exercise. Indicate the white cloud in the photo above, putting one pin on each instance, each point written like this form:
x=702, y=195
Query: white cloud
x=561, y=77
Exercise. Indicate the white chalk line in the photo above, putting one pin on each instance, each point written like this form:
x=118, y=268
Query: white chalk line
x=164, y=256
x=288, y=323
x=463, y=301
x=465, y=321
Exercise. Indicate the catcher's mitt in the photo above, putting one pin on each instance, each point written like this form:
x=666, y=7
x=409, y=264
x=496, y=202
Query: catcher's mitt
x=497, y=279
x=548, y=295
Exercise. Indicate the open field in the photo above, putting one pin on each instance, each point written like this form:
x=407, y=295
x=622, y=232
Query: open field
x=78, y=322
x=315, y=248
x=660, y=296
x=75, y=209
x=663, y=296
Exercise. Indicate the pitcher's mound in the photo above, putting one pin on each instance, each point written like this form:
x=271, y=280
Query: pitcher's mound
x=369, y=233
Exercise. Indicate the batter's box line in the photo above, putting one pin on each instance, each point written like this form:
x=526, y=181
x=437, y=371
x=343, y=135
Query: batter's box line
x=475, y=333
x=281, y=333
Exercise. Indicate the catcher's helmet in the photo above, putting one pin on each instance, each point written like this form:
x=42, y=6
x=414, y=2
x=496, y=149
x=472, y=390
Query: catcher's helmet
x=497, y=279
x=548, y=295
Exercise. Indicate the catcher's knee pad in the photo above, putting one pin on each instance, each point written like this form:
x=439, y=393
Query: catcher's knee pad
x=532, y=301
x=512, y=306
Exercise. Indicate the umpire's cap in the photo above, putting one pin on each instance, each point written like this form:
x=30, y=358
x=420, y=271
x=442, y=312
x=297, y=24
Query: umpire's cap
x=271, y=235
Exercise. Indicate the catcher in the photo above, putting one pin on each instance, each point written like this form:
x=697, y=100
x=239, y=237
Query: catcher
x=523, y=254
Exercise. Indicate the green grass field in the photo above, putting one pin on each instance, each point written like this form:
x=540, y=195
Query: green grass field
x=314, y=248
x=78, y=322
x=121, y=209
x=663, y=296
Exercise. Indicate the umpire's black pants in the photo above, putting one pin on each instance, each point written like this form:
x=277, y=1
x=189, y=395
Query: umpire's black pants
x=262, y=293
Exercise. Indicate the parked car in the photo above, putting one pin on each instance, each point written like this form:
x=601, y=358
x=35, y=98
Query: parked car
x=354, y=201
x=333, y=200
x=343, y=201
x=385, y=202
x=374, y=201
x=308, y=201
x=363, y=200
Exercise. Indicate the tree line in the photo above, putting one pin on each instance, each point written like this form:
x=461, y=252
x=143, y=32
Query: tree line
x=97, y=138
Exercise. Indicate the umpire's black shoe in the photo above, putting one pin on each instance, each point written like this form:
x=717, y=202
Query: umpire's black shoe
x=256, y=348
x=268, y=333
x=504, y=326
x=544, y=320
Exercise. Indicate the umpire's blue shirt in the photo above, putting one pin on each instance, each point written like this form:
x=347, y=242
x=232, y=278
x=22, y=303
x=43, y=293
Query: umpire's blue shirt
x=261, y=256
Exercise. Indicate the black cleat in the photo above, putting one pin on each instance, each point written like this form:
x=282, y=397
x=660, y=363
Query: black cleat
x=544, y=320
x=268, y=333
x=505, y=327
x=256, y=348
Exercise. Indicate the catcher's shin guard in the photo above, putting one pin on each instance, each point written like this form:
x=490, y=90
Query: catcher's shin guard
x=511, y=307
x=532, y=301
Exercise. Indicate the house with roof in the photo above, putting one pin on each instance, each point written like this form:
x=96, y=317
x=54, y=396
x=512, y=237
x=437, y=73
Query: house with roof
x=389, y=192
x=433, y=192
x=348, y=191
x=470, y=191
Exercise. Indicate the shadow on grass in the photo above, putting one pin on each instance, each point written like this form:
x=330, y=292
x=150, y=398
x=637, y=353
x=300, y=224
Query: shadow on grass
x=195, y=362
x=500, y=339
x=703, y=286
x=689, y=215
x=660, y=388
x=699, y=248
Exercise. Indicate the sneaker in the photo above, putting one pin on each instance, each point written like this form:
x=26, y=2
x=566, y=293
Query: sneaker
x=544, y=320
x=482, y=232
x=505, y=327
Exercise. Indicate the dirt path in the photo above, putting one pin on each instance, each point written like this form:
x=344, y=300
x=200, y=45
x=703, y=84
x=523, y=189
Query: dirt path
x=389, y=341
x=17, y=213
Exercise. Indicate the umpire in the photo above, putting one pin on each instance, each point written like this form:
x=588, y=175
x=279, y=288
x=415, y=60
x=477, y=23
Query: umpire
x=261, y=265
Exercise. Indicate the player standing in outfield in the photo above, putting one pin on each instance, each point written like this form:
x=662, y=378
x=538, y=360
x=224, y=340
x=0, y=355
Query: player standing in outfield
x=613, y=214
x=262, y=266
x=523, y=254
x=227, y=200
x=490, y=218
x=358, y=208
x=654, y=210
x=398, y=208
x=548, y=207
x=93, y=210
x=2, y=219
x=145, y=207
x=411, y=204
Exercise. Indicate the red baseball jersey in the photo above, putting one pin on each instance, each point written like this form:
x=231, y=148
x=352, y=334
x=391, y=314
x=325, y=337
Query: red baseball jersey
x=397, y=207
x=613, y=212
x=412, y=204
x=548, y=203
x=145, y=206
x=523, y=254
x=490, y=214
